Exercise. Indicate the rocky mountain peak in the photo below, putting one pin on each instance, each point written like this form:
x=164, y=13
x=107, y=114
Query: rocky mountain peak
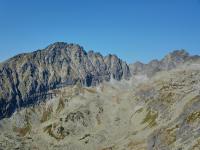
x=177, y=56
x=57, y=45
x=170, y=61
x=25, y=76
x=64, y=48
x=179, y=53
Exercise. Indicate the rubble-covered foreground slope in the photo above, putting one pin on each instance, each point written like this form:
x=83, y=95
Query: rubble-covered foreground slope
x=157, y=113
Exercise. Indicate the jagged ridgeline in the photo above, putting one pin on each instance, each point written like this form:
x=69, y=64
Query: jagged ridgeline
x=59, y=102
x=27, y=78
x=170, y=61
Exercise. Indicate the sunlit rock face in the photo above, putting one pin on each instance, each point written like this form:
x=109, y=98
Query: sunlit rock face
x=63, y=97
x=25, y=76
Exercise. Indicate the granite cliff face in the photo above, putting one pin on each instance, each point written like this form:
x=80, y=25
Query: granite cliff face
x=27, y=78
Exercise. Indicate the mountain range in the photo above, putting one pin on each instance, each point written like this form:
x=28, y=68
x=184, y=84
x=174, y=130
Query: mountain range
x=75, y=99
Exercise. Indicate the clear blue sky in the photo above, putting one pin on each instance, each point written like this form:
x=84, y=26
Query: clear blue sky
x=132, y=29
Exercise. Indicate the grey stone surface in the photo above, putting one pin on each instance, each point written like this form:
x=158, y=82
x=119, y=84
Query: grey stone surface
x=58, y=65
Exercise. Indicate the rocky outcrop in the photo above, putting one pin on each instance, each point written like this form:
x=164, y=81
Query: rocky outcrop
x=170, y=61
x=58, y=65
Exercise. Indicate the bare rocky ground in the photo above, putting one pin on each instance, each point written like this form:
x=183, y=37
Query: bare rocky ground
x=157, y=113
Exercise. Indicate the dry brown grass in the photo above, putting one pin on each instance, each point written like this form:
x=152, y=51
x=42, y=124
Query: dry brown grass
x=46, y=114
x=169, y=135
x=150, y=118
x=196, y=146
x=90, y=90
x=108, y=148
x=49, y=130
x=193, y=117
x=61, y=105
x=22, y=131
x=98, y=119
x=136, y=145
